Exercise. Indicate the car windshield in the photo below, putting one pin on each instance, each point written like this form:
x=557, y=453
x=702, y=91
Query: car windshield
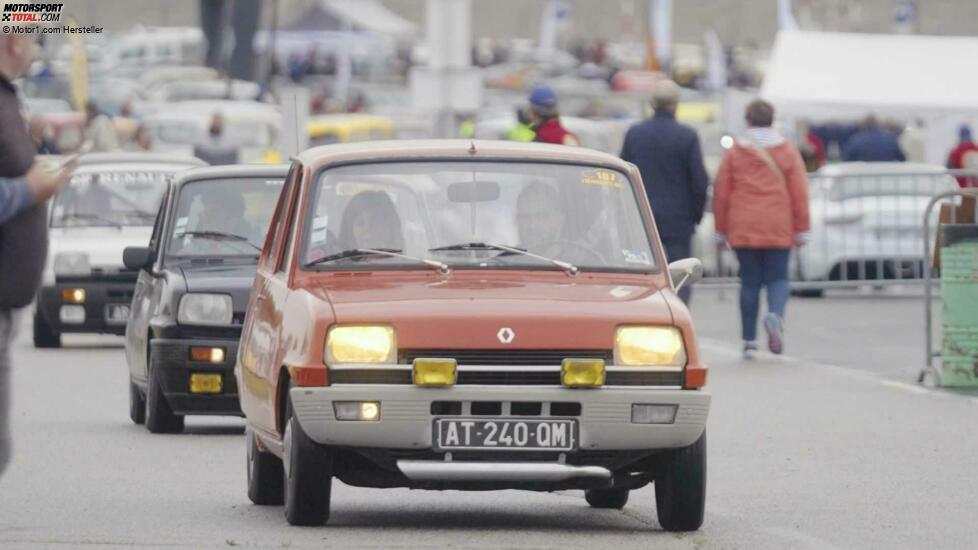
x=120, y=197
x=889, y=185
x=222, y=217
x=477, y=215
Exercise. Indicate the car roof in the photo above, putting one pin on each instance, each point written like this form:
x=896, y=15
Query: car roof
x=233, y=171
x=90, y=159
x=460, y=149
x=879, y=168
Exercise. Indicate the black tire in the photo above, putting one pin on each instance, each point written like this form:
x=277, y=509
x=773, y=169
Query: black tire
x=137, y=405
x=308, y=476
x=44, y=335
x=159, y=416
x=680, y=489
x=606, y=498
x=266, y=484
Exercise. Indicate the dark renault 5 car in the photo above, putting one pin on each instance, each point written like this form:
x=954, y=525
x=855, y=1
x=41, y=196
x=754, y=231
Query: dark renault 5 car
x=193, y=287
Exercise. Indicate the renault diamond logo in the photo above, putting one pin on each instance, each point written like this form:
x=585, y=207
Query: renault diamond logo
x=505, y=335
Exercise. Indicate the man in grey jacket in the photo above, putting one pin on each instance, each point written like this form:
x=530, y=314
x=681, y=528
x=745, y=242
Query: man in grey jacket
x=25, y=186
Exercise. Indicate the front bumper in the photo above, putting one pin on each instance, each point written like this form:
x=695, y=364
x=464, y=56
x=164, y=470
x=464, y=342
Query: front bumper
x=406, y=417
x=99, y=295
x=171, y=358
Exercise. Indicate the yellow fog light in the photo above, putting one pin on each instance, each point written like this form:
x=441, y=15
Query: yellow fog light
x=73, y=295
x=207, y=355
x=649, y=346
x=582, y=373
x=205, y=382
x=434, y=372
x=361, y=344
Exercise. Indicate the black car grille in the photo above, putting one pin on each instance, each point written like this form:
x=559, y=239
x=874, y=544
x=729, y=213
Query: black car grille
x=506, y=357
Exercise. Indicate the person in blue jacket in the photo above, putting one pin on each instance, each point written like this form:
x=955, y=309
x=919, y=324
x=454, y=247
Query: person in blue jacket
x=669, y=157
x=873, y=144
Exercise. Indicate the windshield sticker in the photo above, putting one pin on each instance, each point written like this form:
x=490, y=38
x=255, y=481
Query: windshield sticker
x=319, y=232
x=636, y=257
x=604, y=178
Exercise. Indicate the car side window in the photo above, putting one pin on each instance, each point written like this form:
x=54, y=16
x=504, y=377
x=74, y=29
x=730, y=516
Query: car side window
x=155, y=239
x=285, y=255
x=270, y=261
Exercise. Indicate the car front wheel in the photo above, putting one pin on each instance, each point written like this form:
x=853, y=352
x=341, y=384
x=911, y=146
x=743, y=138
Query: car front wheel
x=680, y=489
x=44, y=335
x=137, y=404
x=308, y=475
x=265, y=480
x=159, y=416
x=607, y=498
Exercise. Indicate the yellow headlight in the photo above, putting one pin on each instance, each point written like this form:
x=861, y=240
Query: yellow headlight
x=361, y=344
x=649, y=346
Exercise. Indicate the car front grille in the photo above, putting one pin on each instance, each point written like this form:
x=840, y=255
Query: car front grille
x=504, y=368
x=506, y=357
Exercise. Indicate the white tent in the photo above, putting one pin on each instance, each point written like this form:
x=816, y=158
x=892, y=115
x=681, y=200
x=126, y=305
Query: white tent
x=823, y=75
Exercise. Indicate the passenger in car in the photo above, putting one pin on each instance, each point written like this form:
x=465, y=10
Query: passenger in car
x=370, y=220
x=539, y=219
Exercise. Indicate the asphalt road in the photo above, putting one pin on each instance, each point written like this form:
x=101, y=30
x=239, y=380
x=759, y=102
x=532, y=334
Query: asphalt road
x=832, y=446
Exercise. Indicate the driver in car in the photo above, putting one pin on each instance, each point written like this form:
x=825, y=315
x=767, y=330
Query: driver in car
x=222, y=213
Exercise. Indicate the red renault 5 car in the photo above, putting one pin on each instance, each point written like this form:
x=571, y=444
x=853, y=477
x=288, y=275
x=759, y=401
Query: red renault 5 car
x=474, y=316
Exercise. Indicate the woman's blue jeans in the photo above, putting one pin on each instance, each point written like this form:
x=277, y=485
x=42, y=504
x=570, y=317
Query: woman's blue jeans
x=762, y=267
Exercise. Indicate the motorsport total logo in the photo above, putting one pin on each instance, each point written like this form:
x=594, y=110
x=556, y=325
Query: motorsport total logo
x=32, y=13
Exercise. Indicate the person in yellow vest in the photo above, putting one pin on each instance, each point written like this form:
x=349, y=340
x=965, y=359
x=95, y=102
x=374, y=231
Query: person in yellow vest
x=522, y=130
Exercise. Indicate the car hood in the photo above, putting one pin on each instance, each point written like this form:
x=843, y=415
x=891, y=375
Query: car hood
x=104, y=245
x=549, y=311
x=232, y=279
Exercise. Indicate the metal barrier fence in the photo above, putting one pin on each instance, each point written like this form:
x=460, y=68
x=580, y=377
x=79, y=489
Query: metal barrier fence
x=865, y=228
x=930, y=369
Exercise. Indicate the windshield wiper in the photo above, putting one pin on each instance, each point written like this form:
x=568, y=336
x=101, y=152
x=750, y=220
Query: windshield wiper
x=391, y=252
x=568, y=267
x=220, y=236
x=93, y=217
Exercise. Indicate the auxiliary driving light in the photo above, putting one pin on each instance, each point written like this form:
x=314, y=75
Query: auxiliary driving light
x=207, y=355
x=367, y=411
x=72, y=314
x=582, y=373
x=434, y=372
x=73, y=295
x=653, y=414
x=201, y=382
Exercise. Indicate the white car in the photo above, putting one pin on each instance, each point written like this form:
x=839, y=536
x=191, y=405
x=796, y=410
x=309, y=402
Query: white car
x=866, y=224
x=867, y=220
x=110, y=203
x=602, y=135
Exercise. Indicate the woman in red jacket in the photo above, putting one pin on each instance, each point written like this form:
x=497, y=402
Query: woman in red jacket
x=760, y=204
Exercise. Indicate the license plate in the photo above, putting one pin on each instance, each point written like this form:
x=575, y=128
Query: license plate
x=467, y=433
x=116, y=313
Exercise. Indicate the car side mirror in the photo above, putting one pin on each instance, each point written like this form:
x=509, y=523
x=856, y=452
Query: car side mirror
x=138, y=257
x=684, y=272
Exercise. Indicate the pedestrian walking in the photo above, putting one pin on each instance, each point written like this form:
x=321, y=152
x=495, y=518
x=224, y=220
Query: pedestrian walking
x=545, y=117
x=669, y=157
x=873, y=144
x=760, y=205
x=964, y=156
x=24, y=187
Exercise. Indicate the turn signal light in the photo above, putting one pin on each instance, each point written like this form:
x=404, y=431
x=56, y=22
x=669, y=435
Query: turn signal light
x=364, y=411
x=207, y=355
x=434, y=372
x=582, y=373
x=73, y=295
